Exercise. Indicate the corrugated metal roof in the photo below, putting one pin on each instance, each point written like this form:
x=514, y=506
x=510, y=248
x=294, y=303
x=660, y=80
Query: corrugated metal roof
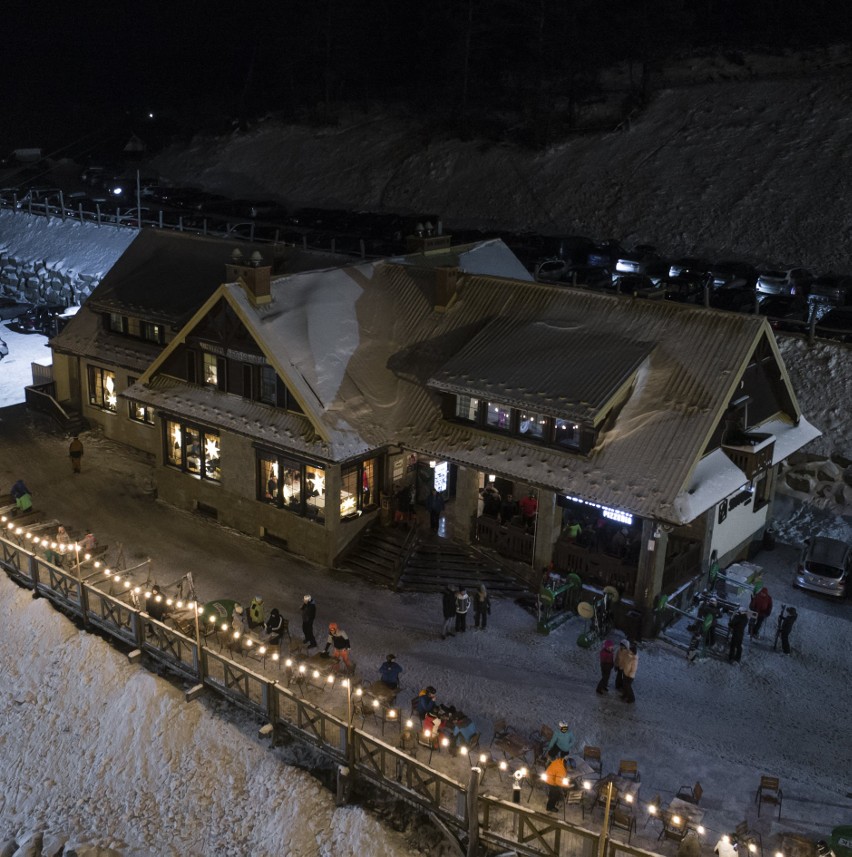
x=558, y=367
x=213, y=408
x=361, y=343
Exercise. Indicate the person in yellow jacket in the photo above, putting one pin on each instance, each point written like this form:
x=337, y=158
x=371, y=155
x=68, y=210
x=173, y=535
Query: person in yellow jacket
x=256, y=614
x=557, y=779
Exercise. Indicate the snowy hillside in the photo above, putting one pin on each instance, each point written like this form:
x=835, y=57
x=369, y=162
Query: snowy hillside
x=758, y=168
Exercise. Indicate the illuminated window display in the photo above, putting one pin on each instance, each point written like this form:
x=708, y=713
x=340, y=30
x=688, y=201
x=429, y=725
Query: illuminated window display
x=358, y=488
x=532, y=425
x=102, y=392
x=193, y=450
x=291, y=485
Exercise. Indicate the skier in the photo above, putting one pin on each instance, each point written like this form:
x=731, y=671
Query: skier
x=462, y=606
x=449, y=607
x=620, y=658
x=631, y=662
x=787, y=620
x=736, y=631
x=561, y=742
x=481, y=607
x=761, y=604
x=607, y=661
x=338, y=642
x=256, y=613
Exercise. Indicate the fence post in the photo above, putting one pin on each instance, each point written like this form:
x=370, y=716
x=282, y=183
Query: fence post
x=473, y=812
x=34, y=574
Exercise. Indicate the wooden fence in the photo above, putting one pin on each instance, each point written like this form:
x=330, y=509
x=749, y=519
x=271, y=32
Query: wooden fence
x=501, y=825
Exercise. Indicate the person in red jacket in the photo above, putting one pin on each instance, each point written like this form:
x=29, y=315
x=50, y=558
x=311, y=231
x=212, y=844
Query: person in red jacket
x=761, y=604
x=528, y=506
x=607, y=659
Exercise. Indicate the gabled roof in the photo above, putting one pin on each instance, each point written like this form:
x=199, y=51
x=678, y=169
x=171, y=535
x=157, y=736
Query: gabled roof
x=358, y=346
x=165, y=275
x=559, y=368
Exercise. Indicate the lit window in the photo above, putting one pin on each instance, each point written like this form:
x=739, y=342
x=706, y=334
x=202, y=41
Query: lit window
x=139, y=413
x=358, y=488
x=498, y=417
x=532, y=425
x=467, y=408
x=193, y=450
x=102, y=390
x=567, y=433
x=211, y=369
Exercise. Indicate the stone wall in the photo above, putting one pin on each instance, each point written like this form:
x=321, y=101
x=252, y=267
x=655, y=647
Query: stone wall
x=36, y=281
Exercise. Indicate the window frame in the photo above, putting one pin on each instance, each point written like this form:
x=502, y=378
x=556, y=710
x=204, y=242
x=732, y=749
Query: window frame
x=181, y=460
x=96, y=379
x=148, y=417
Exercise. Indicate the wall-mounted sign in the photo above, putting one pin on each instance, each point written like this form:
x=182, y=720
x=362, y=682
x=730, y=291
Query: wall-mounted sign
x=441, y=482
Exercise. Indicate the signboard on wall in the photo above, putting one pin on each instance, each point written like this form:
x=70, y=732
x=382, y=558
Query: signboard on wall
x=441, y=480
x=398, y=468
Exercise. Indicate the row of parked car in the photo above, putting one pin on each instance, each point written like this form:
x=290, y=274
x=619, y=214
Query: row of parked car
x=790, y=297
x=24, y=317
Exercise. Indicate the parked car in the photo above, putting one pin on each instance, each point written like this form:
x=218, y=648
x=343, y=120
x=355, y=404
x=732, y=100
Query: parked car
x=687, y=289
x=732, y=273
x=688, y=265
x=635, y=261
x=734, y=296
x=836, y=324
x=773, y=281
x=829, y=291
x=588, y=276
x=638, y=285
x=572, y=249
x=786, y=312
x=825, y=566
x=11, y=308
x=605, y=254
x=4, y=349
x=550, y=270
x=38, y=319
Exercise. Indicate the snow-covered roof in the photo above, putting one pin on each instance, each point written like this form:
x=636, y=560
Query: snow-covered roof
x=358, y=345
x=716, y=475
x=483, y=257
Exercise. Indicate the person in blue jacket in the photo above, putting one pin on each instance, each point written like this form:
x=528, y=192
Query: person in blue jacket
x=390, y=671
x=426, y=701
x=561, y=743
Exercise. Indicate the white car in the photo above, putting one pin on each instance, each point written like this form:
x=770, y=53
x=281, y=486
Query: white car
x=825, y=566
x=790, y=281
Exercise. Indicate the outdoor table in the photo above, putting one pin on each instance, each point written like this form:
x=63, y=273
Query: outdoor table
x=514, y=747
x=386, y=695
x=691, y=814
x=626, y=789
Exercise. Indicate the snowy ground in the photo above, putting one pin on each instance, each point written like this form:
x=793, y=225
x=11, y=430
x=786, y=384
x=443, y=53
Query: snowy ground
x=16, y=368
x=719, y=724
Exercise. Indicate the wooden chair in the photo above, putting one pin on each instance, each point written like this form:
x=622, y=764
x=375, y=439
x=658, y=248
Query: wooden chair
x=769, y=791
x=575, y=796
x=427, y=738
x=623, y=820
x=592, y=755
x=653, y=810
x=501, y=730
x=674, y=827
x=748, y=841
x=628, y=768
x=540, y=740
x=691, y=794
x=600, y=798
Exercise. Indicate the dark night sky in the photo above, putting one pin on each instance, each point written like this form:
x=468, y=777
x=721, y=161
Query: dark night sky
x=72, y=69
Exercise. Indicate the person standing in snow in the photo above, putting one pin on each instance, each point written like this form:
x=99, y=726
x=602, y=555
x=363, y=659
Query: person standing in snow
x=618, y=664
x=631, y=662
x=736, y=632
x=481, y=607
x=309, y=613
x=607, y=661
x=462, y=607
x=561, y=742
x=19, y=489
x=238, y=620
x=449, y=607
x=75, y=452
x=761, y=604
x=338, y=642
x=786, y=625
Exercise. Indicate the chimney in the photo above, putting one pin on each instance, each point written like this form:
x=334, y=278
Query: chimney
x=446, y=286
x=254, y=277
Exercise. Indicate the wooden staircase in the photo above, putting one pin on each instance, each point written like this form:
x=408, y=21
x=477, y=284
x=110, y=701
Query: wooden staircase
x=417, y=561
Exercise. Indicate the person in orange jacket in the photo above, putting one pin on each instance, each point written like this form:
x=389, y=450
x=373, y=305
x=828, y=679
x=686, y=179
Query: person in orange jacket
x=556, y=777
